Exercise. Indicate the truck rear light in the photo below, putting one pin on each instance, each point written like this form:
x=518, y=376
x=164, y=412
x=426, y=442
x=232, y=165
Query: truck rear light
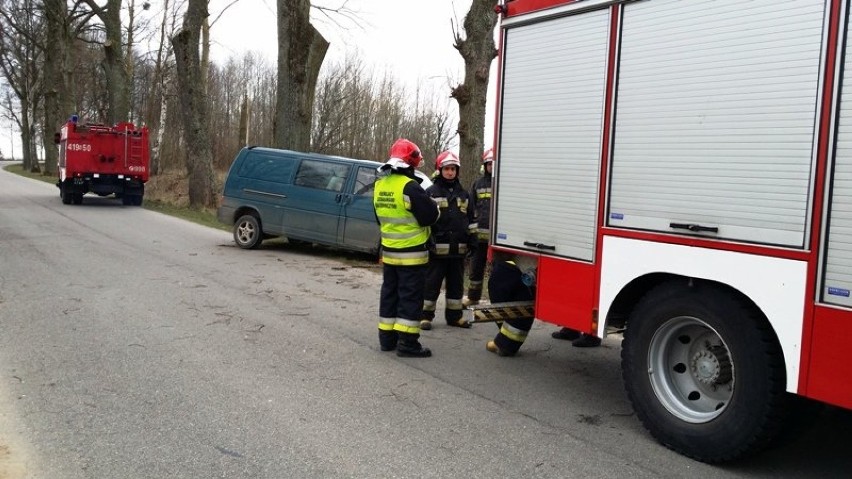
x=121, y=177
x=97, y=175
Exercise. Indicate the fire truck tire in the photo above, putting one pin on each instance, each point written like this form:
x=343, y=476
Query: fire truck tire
x=247, y=232
x=704, y=372
x=131, y=200
x=65, y=195
x=77, y=198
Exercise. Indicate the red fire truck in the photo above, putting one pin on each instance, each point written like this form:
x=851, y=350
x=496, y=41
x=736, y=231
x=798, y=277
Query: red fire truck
x=681, y=171
x=102, y=160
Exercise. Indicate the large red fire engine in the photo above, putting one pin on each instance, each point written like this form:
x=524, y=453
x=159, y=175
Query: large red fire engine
x=102, y=160
x=681, y=171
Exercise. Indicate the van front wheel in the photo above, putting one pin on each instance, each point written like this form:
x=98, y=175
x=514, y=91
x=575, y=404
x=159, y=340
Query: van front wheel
x=247, y=232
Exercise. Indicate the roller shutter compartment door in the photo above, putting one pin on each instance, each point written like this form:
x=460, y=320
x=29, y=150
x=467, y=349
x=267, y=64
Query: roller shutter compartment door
x=550, y=134
x=716, y=117
x=837, y=280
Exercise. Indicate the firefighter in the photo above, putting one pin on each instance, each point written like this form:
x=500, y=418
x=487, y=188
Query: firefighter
x=480, y=194
x=505, y=285
x=405, y=212
x=452, y=237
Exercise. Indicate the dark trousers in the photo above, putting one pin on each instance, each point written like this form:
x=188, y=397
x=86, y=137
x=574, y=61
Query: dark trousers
x=451, y=269
x=401, y=303
x=477, y=271
x=505, y=285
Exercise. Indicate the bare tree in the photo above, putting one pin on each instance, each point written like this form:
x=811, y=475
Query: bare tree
x=301, y=51
x=114, y=64
x=58, y=71
x=478, y=51
x=20, y=62
x=357, y=116
x=193, y=100
x=156, y=111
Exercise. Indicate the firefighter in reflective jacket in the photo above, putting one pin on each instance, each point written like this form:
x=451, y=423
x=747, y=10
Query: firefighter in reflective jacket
x=405, y=212
x=451, y=237
x=480, y=194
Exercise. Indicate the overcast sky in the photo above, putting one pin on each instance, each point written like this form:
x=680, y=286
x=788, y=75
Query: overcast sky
x=413, y=40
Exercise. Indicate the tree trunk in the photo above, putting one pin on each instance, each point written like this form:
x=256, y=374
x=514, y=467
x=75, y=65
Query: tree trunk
x=301, y=51
x=118, y=84
x=128, y=60
x=242, y=140
x=193, y=100
x=478, y=51
x=163, y=116
x=157, y=102
x=57, y=78
x=27, y=141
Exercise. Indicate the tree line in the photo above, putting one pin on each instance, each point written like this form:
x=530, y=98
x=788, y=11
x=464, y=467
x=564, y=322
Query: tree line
x=97, y=60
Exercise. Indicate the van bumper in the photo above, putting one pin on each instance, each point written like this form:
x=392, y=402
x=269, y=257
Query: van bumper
x=225, y=214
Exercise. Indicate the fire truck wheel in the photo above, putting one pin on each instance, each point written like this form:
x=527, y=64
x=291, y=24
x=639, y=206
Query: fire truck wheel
x=247, y=232
x=77, y=198
x=704, y=371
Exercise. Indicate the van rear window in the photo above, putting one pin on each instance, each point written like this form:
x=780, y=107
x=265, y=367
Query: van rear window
x=266, y=167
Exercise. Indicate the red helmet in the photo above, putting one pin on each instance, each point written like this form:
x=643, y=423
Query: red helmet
x=488, y=156
x=447, y=158
x=406, y=151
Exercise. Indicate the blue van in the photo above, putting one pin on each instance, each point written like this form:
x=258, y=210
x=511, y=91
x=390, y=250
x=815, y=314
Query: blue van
x=305, y=197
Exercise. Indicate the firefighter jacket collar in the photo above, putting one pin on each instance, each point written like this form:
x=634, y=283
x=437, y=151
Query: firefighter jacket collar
x=393, y=164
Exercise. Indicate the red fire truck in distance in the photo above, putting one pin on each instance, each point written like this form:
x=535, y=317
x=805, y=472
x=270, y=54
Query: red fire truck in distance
x=102, y=160
x=681, y=171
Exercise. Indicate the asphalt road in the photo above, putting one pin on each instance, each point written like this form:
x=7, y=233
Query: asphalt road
x=136, y=345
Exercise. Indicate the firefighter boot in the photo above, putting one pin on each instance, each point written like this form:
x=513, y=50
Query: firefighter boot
x=492, y=347
x=474, y=294
x=567, y=334
x=410, y=347
x=388, y=340
x=586, y=341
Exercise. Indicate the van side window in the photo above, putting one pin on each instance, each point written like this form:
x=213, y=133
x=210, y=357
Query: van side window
x=268, y=168
x=365, y=181
x=322, y=175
